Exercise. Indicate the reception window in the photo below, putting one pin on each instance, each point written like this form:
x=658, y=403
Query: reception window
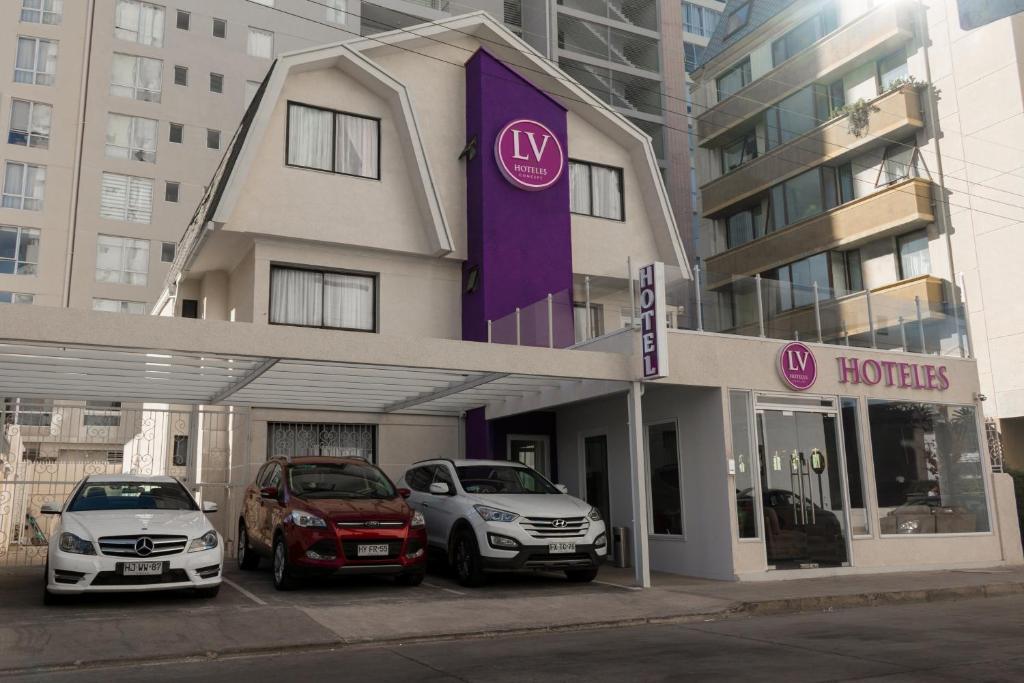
x=333, y=141
x=314, y=298
x=929, y=475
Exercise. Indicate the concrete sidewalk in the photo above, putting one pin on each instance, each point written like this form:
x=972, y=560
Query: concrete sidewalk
x=250, y=616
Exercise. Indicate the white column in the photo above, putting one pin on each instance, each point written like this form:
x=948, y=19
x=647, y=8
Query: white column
x=638, y=486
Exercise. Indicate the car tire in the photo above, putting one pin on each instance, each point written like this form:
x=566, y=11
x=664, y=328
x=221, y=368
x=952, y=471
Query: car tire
x=48, y=597
x=283, y=579
x=207, y=593
x=410, y=578
x=466, y=560
x=246, y=556
x=581, y=575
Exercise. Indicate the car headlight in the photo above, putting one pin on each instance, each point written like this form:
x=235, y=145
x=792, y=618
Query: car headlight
x=207, y=541
x=594, y=515
x=70, y=543
x=910, y=526
x=418, y=521
x=304, y=519
x=494, y=514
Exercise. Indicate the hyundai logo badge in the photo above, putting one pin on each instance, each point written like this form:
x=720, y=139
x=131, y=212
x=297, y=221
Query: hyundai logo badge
x=558, y=523
x=144, y=546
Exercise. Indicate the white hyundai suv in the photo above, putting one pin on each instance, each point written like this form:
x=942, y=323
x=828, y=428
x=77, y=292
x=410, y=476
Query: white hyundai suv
x=131, y=533
x=493, y=515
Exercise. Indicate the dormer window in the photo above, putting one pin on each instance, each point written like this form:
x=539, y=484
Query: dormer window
x=334, y=141
x=737, y=19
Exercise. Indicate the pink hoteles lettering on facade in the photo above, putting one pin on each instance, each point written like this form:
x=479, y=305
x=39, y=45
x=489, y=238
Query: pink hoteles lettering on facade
x=529, y=155
x=890, y=373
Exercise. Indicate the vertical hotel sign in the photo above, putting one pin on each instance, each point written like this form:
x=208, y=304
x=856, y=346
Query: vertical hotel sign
x=653, y=321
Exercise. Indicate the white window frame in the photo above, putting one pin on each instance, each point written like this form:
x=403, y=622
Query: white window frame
x=133, y=152
x=47, y=12
x=21, y=267
x=124, y=276
x=24, y=200
x=122, y=306
x=337, y=117
x=335, y=11
x=134, y=187
x=37, y=75
x=137, y=91
x=33, y=138
x=250, y=46
x=125, y=32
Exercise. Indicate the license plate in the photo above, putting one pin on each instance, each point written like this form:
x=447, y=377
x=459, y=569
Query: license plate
x=142, y=568
x=372, y=550
x=562, y=547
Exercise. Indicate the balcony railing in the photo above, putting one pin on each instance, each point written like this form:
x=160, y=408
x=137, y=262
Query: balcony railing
x=920, y=314
x=868, y=37
x=901, y=206
x=892, y=116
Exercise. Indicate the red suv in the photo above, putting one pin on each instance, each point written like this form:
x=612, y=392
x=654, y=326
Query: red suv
x=324, y=516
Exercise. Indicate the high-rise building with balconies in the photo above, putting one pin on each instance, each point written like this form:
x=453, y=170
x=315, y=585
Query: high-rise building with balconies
x=859, y=183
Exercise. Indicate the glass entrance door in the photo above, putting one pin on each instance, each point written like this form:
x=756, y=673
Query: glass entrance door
x=802, y=489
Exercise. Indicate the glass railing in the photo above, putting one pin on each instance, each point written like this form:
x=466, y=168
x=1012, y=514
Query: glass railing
x=914, y=315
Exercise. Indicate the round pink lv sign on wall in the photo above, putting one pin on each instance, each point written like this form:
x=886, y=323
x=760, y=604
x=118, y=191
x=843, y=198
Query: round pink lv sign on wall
x=797, y=366
x=529, y=155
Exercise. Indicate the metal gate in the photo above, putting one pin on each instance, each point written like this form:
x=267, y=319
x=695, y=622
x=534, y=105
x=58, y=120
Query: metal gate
x=47, y=447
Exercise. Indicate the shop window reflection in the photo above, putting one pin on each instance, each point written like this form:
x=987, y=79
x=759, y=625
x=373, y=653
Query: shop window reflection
x=744, y=463
x=929, y=475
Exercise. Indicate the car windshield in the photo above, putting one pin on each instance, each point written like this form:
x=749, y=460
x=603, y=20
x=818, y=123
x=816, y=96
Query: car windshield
x=503, y=479
x=132, y=495
x=339, y=480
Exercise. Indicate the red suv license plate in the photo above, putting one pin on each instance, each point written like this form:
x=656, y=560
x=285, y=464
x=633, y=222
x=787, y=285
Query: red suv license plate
x=372, y=550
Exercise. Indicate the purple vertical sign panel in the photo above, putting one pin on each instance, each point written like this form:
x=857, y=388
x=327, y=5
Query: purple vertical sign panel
x=653, y=321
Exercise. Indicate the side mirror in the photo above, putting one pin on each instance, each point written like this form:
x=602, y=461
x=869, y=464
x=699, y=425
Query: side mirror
x=209, y=506
x=50, y=508
x=268, y=492
x=562, y=487
x=404, y=493
x=439, y=488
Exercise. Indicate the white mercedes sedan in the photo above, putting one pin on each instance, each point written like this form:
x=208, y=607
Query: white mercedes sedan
x=132, y=533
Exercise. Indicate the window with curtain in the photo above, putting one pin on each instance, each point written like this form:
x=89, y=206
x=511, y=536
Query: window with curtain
x=317, y=298
x=24, y=185
x=118, y=306
x=595, y=190
x=579, y=314
x=126, y=198
x=131, y=137
x=914, y=257
x=699, y=20
x=122, y=260
x=139, y=78
x=16, y=298
x=42, y=11
x=261, y=43
x=30, y=124
x=139, y=22
x=332, y=141
x=691, y=56
x=298, y=439
x=35, y=61
x=336, y=11
x=744, y=226
x=19, y=250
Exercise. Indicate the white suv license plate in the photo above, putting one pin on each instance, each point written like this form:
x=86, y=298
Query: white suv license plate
x=561, y=547
x=372, y=550
x=142, y=568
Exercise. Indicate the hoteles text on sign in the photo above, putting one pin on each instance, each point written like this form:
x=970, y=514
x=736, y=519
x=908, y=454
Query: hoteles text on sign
x=653, y=325
x=893, y=374
x=529, y=155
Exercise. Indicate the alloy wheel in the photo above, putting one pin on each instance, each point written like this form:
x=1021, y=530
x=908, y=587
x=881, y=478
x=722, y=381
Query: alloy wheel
x=462, y=559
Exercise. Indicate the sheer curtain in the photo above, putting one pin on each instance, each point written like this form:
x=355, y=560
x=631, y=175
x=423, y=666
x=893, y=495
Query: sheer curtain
x=122, y=75
x=914, y=257
x=357, y=146
x=296, y=296
x=140, y=200
x=136, y=262
x=607, y=193
x=309, y=137
x=579, y=187
x=348, y=301
x=148, y=79
x=151, y=25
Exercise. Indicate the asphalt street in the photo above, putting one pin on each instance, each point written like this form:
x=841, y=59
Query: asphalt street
x=969, y=640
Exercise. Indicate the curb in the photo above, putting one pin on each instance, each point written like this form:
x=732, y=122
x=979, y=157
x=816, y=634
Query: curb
x=783, y=606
